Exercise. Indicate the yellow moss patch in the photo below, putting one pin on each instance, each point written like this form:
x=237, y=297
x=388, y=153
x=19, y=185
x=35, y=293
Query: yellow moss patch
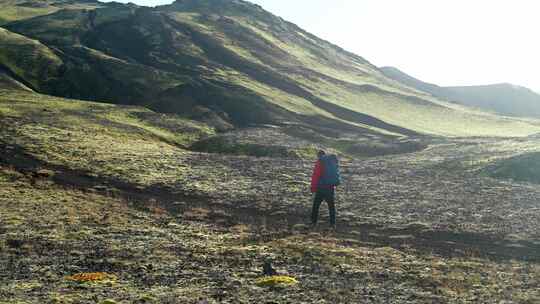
x=92, y=277
x=276, y=280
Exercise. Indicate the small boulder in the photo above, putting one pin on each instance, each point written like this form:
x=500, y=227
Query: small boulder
x=44, y=173
x=268, y=270
x=15, y=243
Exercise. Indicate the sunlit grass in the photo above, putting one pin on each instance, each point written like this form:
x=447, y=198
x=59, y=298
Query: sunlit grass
x=106, y=139
x=423, y=116
x=10, y=13
x=27, y=58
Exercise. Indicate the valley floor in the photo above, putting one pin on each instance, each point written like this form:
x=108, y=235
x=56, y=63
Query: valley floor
x=169, y=225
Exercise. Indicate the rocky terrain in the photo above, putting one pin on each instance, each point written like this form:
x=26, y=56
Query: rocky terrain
x=121, y=196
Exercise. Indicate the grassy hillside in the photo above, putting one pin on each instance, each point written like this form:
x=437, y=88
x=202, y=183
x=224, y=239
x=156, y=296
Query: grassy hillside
x=66, y=124
x=8, y=81
x=504, y=99
x=231, y=63
x=27, y=59
x=14, y=10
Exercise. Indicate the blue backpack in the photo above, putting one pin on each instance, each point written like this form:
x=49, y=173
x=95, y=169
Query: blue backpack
x=330, y=175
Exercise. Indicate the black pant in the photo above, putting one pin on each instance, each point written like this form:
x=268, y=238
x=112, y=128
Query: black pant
x=320, y=196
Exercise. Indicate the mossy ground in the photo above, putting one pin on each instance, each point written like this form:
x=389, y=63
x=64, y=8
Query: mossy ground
x=88, y=187
x=50, y=232
x=524, y=167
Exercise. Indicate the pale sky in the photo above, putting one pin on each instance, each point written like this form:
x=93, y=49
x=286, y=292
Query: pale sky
x=457, y=42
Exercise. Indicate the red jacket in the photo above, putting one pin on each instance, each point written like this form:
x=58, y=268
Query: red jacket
x=315, y=178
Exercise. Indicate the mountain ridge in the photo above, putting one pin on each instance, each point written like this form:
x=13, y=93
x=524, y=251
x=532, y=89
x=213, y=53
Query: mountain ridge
x=231, y=63
x=502, y=98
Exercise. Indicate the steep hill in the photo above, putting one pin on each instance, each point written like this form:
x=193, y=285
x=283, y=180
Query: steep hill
x=7, y=81
x=504, y=98
x=226, y=62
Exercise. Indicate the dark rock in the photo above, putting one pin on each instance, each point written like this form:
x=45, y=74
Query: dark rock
x=15, y=243
x=268, y=270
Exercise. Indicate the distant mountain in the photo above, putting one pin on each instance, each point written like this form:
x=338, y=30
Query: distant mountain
x=398, y=75
x=229, y=63
x=505, y=99
x=502, y=98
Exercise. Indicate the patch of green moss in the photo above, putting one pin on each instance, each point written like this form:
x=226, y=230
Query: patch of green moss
x=524, y=168
x=309, y=152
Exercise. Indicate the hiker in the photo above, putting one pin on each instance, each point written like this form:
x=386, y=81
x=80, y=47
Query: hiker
x=324, y=180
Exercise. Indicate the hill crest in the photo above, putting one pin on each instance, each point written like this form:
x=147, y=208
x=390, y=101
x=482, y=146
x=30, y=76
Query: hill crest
x=234, y=60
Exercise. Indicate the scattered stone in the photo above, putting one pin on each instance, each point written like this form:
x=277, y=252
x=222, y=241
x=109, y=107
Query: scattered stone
x=279, y=213
x=402, y=237
x=91, y=175
x=268, y=270
x=300, y=227
x=101, y=188
x=44, y=173
x=356, y=233
x=515, y=245
x=417, y=226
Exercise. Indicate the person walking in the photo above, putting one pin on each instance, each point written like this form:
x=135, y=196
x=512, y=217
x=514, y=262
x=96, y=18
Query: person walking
x=324, y=180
